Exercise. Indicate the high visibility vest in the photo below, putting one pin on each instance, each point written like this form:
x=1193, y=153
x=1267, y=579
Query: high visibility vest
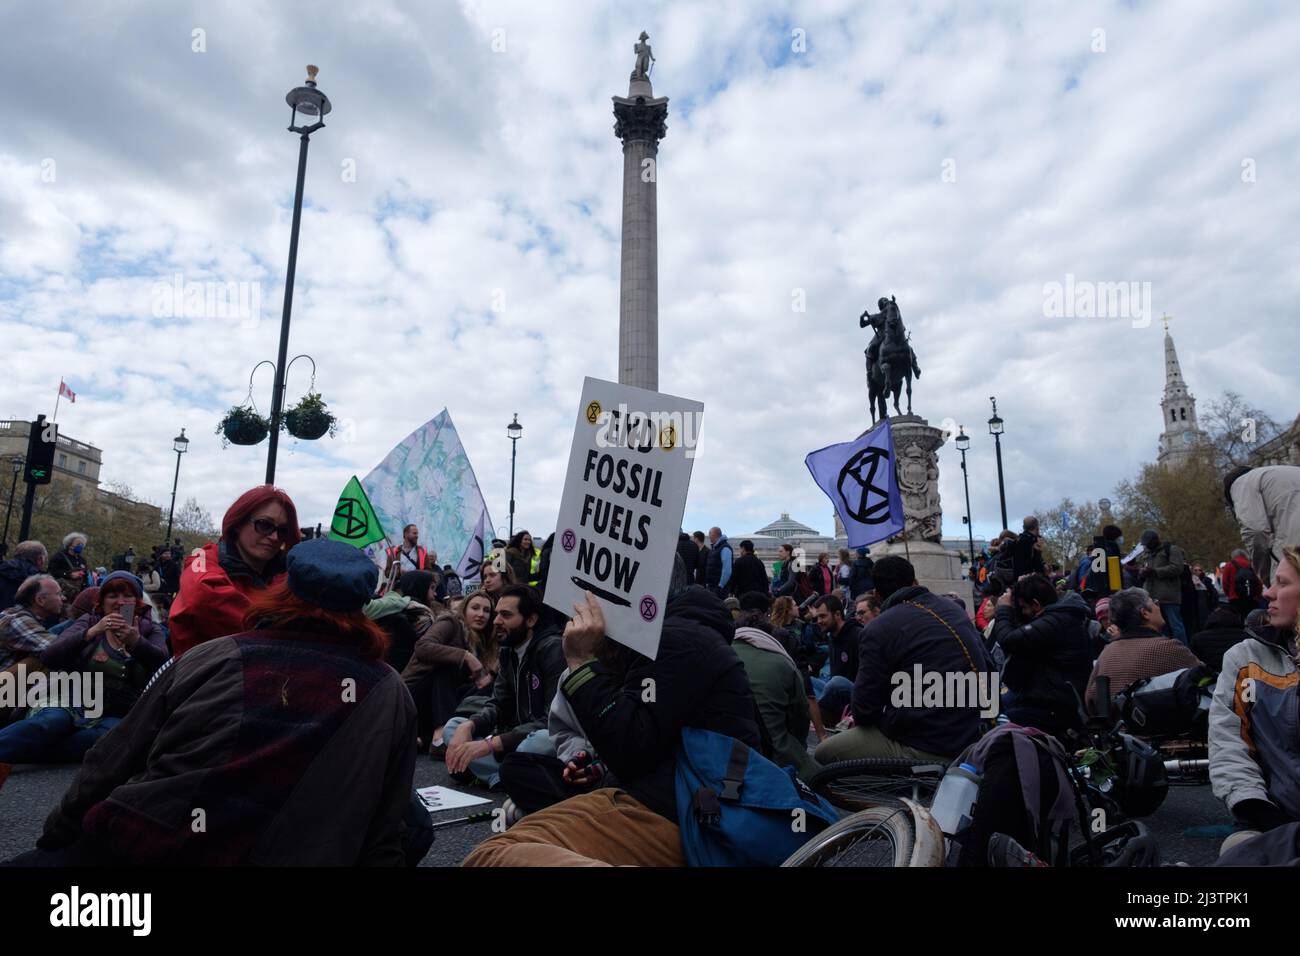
x=396, y=554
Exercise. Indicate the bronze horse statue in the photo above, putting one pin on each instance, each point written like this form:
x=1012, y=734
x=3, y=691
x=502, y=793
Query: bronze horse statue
x=891, y=362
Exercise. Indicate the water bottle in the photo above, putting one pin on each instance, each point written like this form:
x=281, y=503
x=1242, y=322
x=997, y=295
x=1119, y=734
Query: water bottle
x=954, y=801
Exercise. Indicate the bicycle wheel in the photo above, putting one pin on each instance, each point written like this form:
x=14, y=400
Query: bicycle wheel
x=878, y=836
x=876, y=781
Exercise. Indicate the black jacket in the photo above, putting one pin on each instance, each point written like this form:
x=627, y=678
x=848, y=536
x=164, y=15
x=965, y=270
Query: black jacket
x=1049, y=659
x=689, y=552
x=1027, y=559
x=860, y=581
x=904, y=636
x=63, y=564
x=12, y=574
x=697, y=681
x=1209, y=645
x=523, y=691
x=748, y=574
x=844, y=648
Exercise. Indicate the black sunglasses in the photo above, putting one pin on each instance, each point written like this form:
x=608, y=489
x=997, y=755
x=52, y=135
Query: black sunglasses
x=267, y=526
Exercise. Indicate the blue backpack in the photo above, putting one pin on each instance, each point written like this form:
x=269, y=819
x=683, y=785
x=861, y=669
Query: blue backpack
x=737, y=808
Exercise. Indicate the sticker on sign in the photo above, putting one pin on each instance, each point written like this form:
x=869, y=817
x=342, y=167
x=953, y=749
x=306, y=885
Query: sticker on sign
x=621, y=510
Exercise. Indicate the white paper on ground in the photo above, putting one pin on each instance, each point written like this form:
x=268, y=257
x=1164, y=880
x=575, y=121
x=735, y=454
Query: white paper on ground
x=444, y=798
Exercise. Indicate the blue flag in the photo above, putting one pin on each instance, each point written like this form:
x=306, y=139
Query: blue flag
x=861, y=480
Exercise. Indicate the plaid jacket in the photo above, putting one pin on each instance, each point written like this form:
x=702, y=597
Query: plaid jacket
x=21, y=635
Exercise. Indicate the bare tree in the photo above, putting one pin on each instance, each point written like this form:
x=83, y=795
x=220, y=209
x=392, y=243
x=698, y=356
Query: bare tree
x=1067, y=530
x=1235, y=429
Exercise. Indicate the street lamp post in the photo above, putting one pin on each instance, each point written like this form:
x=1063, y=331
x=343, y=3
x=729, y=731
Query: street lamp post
x=963, y=445
x=996, y=430
x=308, y=101
x=18, y=462
x=180, y=444
x=513, y=430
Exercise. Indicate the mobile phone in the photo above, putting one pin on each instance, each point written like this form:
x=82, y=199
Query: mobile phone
x=128, y=613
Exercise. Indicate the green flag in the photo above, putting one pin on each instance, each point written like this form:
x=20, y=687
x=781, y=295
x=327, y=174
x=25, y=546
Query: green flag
x=355, y=521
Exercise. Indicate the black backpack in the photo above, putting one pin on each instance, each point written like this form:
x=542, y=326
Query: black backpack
x=1248, y=583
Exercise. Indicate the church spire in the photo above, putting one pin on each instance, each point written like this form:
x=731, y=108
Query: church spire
x=1181, y=433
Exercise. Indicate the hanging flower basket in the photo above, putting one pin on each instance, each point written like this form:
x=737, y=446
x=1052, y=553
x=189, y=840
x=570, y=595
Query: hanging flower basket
x=310, y=419
x=242, y=426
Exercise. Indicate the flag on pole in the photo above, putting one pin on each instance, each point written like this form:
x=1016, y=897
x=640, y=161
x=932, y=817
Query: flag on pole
x=861, y=480
x=472, y=560
x=356, y=523
x=427, y=481
x=65, y=392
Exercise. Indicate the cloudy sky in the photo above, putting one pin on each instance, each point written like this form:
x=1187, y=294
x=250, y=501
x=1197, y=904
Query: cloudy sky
x=460, y=241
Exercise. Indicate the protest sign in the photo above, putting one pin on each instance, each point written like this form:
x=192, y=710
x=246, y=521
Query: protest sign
x=621, y=510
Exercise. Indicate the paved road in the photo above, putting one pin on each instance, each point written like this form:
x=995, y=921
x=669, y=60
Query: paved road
x=1185, y=827
x=32, y=791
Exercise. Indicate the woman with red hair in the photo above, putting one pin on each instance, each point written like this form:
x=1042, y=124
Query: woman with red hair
x=220, y=581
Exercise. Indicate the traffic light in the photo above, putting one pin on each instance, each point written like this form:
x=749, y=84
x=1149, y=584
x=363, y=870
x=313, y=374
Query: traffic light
x=41, y=443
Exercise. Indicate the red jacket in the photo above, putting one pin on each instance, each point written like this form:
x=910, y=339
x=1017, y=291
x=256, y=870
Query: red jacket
x=1230, y=576
x=210, y=602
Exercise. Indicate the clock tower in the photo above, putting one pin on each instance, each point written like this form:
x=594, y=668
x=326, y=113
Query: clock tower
x=1181, y=433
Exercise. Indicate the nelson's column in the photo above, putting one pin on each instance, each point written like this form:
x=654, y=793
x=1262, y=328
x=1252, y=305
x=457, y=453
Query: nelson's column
x=640, y=122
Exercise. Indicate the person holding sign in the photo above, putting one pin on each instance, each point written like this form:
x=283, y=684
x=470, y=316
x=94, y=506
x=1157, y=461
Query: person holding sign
x=633, y=710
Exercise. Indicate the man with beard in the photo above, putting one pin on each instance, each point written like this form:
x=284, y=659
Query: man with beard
x=515, y=718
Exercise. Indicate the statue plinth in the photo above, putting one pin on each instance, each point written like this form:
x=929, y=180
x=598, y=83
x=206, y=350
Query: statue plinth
x=916, y=464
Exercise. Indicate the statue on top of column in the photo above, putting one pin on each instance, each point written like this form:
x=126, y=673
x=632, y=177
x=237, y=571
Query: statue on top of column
x=644, y=58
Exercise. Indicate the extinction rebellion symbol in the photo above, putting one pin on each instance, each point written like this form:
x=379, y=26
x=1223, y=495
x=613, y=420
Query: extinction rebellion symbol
x=649, y=608
x=568, y=540
x=350, y=519
x=856, y=485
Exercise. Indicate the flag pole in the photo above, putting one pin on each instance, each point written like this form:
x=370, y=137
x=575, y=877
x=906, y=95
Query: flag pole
x=56, y=403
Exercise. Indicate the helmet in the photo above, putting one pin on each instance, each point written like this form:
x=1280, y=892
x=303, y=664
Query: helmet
x=1141, y=783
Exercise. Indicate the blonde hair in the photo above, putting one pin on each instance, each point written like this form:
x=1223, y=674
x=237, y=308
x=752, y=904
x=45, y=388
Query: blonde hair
x=784, y=611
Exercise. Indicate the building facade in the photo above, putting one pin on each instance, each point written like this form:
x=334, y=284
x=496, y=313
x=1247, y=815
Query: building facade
x=75, y=477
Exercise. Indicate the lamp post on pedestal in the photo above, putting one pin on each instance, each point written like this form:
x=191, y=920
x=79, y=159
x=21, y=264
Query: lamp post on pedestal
x=514, y=430
x=963, y=445
x=18, y=462
x=180, y=445
x=996, y=429
x=308, y=101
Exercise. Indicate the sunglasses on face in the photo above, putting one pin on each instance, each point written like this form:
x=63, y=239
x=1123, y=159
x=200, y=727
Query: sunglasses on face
x=266, y=527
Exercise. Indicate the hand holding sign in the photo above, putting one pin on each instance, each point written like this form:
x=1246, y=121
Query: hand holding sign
x=584, y=633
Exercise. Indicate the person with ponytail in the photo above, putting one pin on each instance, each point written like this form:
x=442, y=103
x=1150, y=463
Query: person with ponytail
x=219, y=581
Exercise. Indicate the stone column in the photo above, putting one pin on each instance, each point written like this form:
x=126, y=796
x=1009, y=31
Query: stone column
x=640, y=122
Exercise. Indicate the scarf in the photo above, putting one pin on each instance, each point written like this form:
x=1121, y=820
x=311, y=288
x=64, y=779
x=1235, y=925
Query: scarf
x=764, y=642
